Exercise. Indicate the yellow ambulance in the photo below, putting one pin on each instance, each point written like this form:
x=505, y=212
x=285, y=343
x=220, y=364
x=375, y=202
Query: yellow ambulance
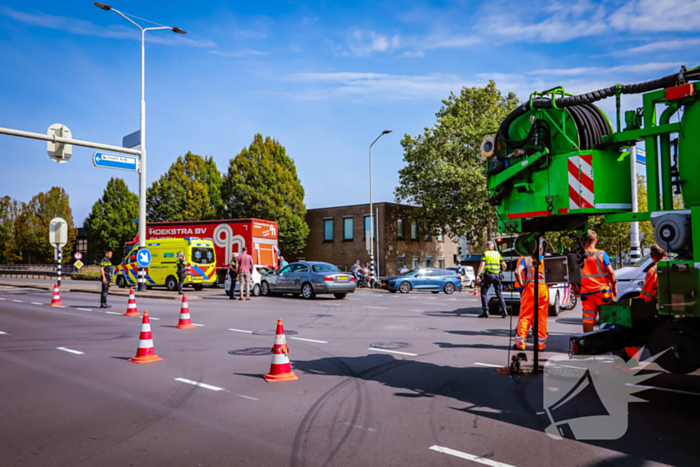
x=200, y=258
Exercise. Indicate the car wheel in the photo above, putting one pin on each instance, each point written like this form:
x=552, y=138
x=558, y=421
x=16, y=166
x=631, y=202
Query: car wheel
x=256, y=290
x=198, y=287
x=340, y=296
x=392, y=291
x=449, y=288
x=573, y=300
x=405, y=287
x=264, y=289
x=171, y=283
x=554, y=309
x=121, y=282
x=307, y=291
x=473, y=285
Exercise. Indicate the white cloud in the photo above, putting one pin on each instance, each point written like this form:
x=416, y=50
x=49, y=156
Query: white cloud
x=86, y=28
x=237, y=53
x=362, y=43
x=661, y=46
x=639, y=68
x=657, y=16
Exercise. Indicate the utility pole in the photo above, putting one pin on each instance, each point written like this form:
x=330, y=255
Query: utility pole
x=371, y=213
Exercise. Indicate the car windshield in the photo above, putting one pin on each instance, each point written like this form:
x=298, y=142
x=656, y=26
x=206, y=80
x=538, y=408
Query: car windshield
x=640, y=262
x=323, y=267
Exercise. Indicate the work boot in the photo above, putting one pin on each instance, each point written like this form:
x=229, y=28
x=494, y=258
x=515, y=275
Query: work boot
x=504, y=314
x=105, y=305
x=485, y=314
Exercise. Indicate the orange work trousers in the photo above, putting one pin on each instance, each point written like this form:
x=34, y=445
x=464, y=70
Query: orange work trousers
x=527, y=315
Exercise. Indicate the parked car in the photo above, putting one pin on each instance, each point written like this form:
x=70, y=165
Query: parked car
x=258, y=273
x=429, y=279
x=466, y=273
x=308, y=279
x=630, y=280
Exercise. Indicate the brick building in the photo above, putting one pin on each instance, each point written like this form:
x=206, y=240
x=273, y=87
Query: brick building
x=337, y=236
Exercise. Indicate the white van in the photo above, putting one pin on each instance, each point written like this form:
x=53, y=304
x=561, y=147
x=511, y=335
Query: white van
x=466, y=273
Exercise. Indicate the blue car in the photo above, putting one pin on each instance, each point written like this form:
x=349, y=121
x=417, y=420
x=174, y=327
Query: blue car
x=430, y=279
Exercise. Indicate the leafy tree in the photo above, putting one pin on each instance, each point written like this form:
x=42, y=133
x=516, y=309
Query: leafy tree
x=444, y=176
x=9, y=210
x=110, y=223
x=30, y=235
x=262, y=182
x=188, y=191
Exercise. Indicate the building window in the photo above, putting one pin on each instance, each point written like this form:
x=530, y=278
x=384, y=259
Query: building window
x=429, y=262
x=441, y=263
x=415, y=263
x=327, y=230
x=400, y=262
x=414, y=230
x=366, y=228
x=347, y=228
x=441, y=237
x=399, y=228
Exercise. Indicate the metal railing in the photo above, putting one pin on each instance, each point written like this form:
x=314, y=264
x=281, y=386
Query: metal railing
x=44, y=271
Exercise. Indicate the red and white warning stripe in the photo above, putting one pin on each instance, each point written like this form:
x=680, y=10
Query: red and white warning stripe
x=581, y=186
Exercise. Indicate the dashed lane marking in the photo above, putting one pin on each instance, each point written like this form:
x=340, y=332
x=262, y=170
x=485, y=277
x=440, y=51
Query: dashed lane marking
x=308, y=340
x=469, y=457
x=70, y=351
x=112, y=313
x=60, y=306
x=2, y=332
x=37, y=303
x=246, y=397
x=241, y=330
x=677, y=391
x=377, y=307
x=84, y=309
x=201, y=385
x=18, y=301
x=195, y=324
x=328, y=304
x=4, y=299
x=394, y=351
x=489, y=365
x=360, y=426
x=156, y=319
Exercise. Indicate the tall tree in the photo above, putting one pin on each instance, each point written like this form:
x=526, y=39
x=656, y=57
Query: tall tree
x=188, y=191
x=9, y=211
x=262, y=182
x=110, y=223
x=444, y=176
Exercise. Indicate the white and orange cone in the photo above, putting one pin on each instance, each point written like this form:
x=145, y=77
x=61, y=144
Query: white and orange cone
x=131, y=307
x=185, y=322
x=280, y=369
x=56, y=299
x=145, y=353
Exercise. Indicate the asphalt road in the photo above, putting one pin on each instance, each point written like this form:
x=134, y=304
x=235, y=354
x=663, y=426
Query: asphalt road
x=440, y=402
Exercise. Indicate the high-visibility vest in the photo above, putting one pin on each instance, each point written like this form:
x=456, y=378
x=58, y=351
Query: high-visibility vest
x=650, y=285
x=492, y=262
x=593, y=275
x=530, y=271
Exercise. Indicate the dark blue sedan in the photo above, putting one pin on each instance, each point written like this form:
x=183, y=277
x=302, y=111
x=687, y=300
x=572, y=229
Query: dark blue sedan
x=430, y=279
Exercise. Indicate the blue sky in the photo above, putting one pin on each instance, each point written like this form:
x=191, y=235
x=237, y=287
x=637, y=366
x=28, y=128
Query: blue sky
x=324, y=78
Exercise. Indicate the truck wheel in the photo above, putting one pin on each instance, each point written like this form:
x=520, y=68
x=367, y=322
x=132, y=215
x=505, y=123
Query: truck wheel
x=554, y=309
x=680, y=342
x=256, y=290
x=121, y=282
x=171, y=283
x=198, y=287
x=264, y=289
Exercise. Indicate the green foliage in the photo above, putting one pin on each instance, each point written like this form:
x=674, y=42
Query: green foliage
x=29, y=242
x=188, y=191
x=444, y=176
x=9, y=210
x=262, y=182
x=110, y=223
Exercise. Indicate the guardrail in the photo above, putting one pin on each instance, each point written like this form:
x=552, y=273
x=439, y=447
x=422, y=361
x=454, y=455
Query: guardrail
x=47, y=271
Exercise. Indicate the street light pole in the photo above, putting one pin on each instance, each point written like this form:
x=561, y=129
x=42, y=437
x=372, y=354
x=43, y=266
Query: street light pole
x=371, y=213
x=142, y=168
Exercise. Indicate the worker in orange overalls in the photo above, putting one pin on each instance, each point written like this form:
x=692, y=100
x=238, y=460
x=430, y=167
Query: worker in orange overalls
x=598, y=281
x=527, y=302
x=650, y=281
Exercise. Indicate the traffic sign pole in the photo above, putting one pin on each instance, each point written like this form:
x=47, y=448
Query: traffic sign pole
x=58, y=268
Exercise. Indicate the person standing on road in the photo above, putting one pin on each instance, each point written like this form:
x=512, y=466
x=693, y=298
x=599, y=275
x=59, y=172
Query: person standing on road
x=649, y=292
x=491, y=267
x=181, y=271
x=598, y=281
x=527, y=302
x=106, y=270
x=244, y=268
x=233, y=276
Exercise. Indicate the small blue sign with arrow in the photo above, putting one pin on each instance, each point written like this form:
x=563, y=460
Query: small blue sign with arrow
x=143, y=258
x=114, y=161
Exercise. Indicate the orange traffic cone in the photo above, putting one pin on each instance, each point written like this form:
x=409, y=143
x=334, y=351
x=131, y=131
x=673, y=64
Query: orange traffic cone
x=56, y=299
x=185, y=322
x=131, y=307
x=476, y=290
x=280, y=369
x=145, y=353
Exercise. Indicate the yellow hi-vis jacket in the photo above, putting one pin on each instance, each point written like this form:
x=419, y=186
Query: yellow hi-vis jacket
x=492, y=262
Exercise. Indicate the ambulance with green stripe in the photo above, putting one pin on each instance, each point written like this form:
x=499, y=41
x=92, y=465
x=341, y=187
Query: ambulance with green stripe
x=200, y=258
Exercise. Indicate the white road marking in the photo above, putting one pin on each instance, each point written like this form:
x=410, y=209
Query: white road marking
x=677, y=391
x=241, y=330
x=329, y=304
x=246, y=397
x=195, y=324
x=201, y=385
x=2, y=332
x=37, y=303
x=18, y=301
x=70, y=351
x=112, y=313
x=84, y=309
x=469, y=457
x=394, y=351
x=377, y=307
x=60, y=306
x=361, y=427
x=488, y=364
x=155, y=319
x=308, y=340
x=4, y=299
x=419, y=311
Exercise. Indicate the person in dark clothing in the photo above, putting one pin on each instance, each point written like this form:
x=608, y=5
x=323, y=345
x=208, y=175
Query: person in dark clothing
x=106, y=270
x=232, y=275
x=181, y=271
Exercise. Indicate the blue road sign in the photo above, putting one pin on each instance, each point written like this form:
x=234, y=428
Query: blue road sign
x=143, y=258
x=114, y=161
x=641, y=157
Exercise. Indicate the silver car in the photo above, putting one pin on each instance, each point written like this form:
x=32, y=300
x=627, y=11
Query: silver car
x=308, y=279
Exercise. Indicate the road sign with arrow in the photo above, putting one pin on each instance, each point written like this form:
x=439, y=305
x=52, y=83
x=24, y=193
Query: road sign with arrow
x=114, y=161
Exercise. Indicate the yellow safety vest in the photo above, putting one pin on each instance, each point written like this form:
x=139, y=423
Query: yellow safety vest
x=492, y=262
